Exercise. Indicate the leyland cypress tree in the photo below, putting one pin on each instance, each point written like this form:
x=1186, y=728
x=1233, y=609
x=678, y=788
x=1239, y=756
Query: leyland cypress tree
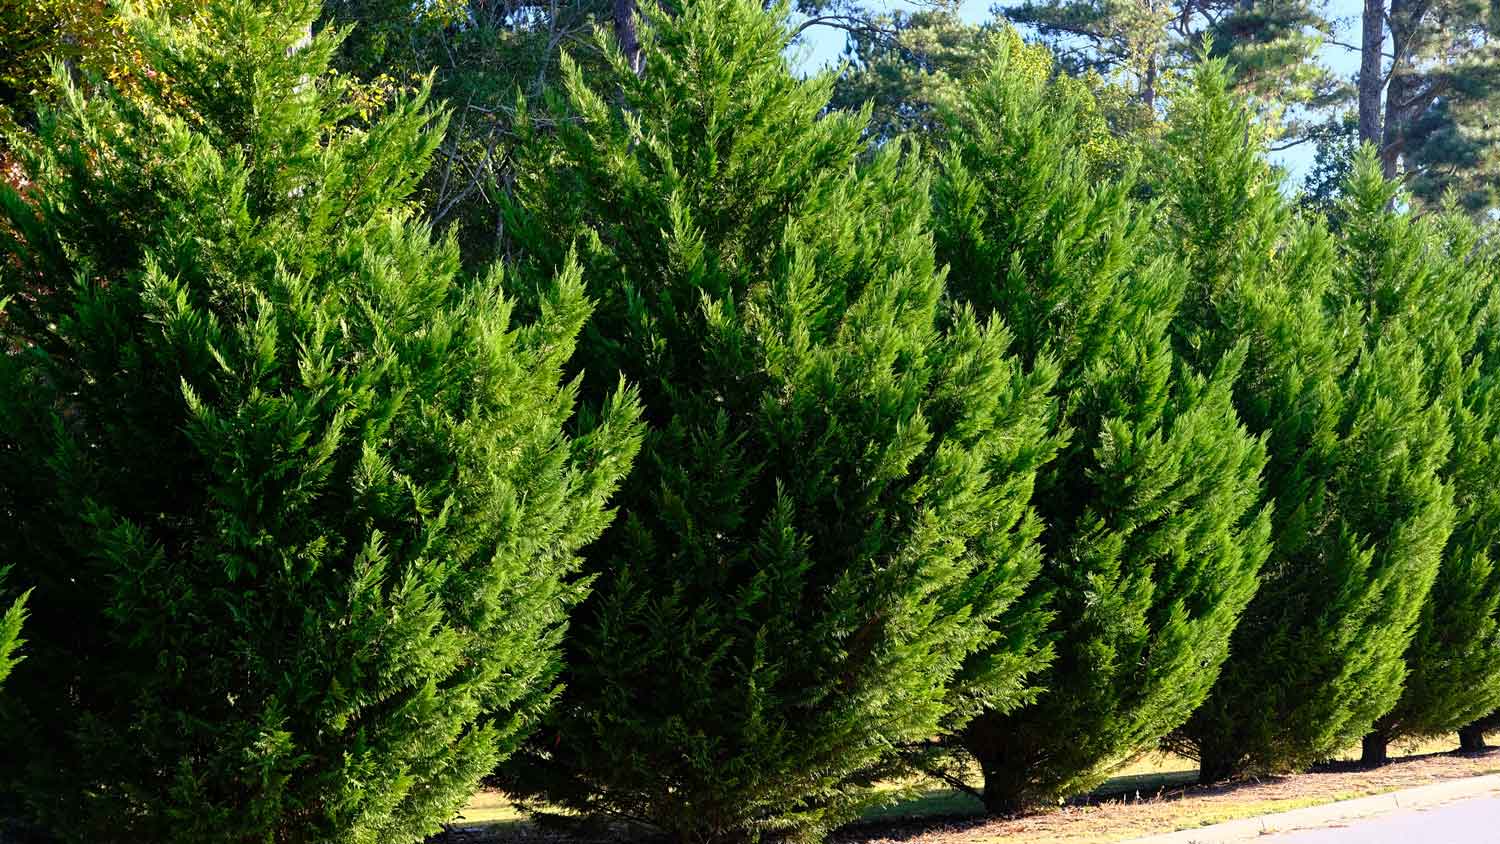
x=297, y=501
x=1356, y=444
x=1154, y=528
x=1436, y=276
x=830, y=512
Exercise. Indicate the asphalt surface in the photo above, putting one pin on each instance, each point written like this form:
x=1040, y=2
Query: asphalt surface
x=1472, y=821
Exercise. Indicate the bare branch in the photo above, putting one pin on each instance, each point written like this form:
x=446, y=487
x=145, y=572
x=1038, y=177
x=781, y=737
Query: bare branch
x=848, y=23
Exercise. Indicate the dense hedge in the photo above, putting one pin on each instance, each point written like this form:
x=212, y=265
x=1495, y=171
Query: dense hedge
x=1023, y=449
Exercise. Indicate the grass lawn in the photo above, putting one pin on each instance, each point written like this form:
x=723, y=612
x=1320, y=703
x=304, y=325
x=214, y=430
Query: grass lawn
x=490, y=808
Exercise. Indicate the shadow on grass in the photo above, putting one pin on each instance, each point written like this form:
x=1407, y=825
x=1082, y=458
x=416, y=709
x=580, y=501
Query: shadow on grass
x=951, y=810
x=1344, y=766
x=932, y=810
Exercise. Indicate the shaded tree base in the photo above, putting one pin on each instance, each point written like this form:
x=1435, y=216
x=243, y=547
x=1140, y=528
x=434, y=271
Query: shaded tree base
x=1375, y=749
x=1471, y=739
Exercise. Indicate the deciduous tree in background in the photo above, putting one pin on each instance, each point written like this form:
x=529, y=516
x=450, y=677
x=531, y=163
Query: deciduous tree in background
x=298, y=504
x=1154, y=525
x=831, y=511
x=1357, y=444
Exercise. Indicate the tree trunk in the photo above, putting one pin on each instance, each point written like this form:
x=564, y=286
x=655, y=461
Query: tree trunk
x=1004, y=763
x=1216, y=767
x=1404, y=17
x=1371, y=79
x=1373, y=749
x=1148, y=84
x=999, y=799
x=1471, y=739
x=627, y=35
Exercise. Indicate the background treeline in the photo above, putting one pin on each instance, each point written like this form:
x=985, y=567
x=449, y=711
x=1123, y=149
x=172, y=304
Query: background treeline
x=621, y=418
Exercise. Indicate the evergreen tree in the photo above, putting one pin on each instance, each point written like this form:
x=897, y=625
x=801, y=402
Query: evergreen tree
x=296, y=499
x=906, y=65
x=1271, y=46
x=1436, y=276
x=1428, y=89
x=1356, y=445
x=935, y=57
x=10, y=622
x=1152, y=538
x=10, y=635
x=831, y=510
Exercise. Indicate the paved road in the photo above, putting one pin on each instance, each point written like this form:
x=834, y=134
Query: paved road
x=1472, y=821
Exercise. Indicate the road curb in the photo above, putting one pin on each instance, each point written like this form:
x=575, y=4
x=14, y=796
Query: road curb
x=1331, y=814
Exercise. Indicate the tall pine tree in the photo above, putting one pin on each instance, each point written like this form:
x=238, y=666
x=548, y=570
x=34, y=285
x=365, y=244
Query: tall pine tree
x=1270, y=45
x=831, y=510
x=1428, y=89
x=1356, y=443
x=1154, y=530
x=1435, y=275
x=297, y=500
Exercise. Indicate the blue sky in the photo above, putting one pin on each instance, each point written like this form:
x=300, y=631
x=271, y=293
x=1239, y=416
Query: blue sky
x=823, y=47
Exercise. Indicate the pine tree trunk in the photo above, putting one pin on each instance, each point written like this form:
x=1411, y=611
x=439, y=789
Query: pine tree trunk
x=1471, y=739
x=1371, y=80
x=626, y=33
x=1398, y=112
x=1373, y=748
x=1148, y=84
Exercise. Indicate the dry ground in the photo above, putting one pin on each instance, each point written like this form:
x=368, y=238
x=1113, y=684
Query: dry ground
x=1153, y=796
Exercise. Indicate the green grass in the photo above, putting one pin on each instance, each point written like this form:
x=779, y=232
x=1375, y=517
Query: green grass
x=490, y=808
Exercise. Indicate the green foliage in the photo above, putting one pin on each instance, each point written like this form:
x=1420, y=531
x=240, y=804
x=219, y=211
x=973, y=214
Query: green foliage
x=10, y=635
x=1336, y=145
x=1271, y=46
x=905, y=65
x=1441, y=98
x=1152, y=538
x=89, y=36
x=1437, y=277
x=295, y=498
x=477, y=54
x=930, y=59
x=831, y=511
x=1356, y=442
